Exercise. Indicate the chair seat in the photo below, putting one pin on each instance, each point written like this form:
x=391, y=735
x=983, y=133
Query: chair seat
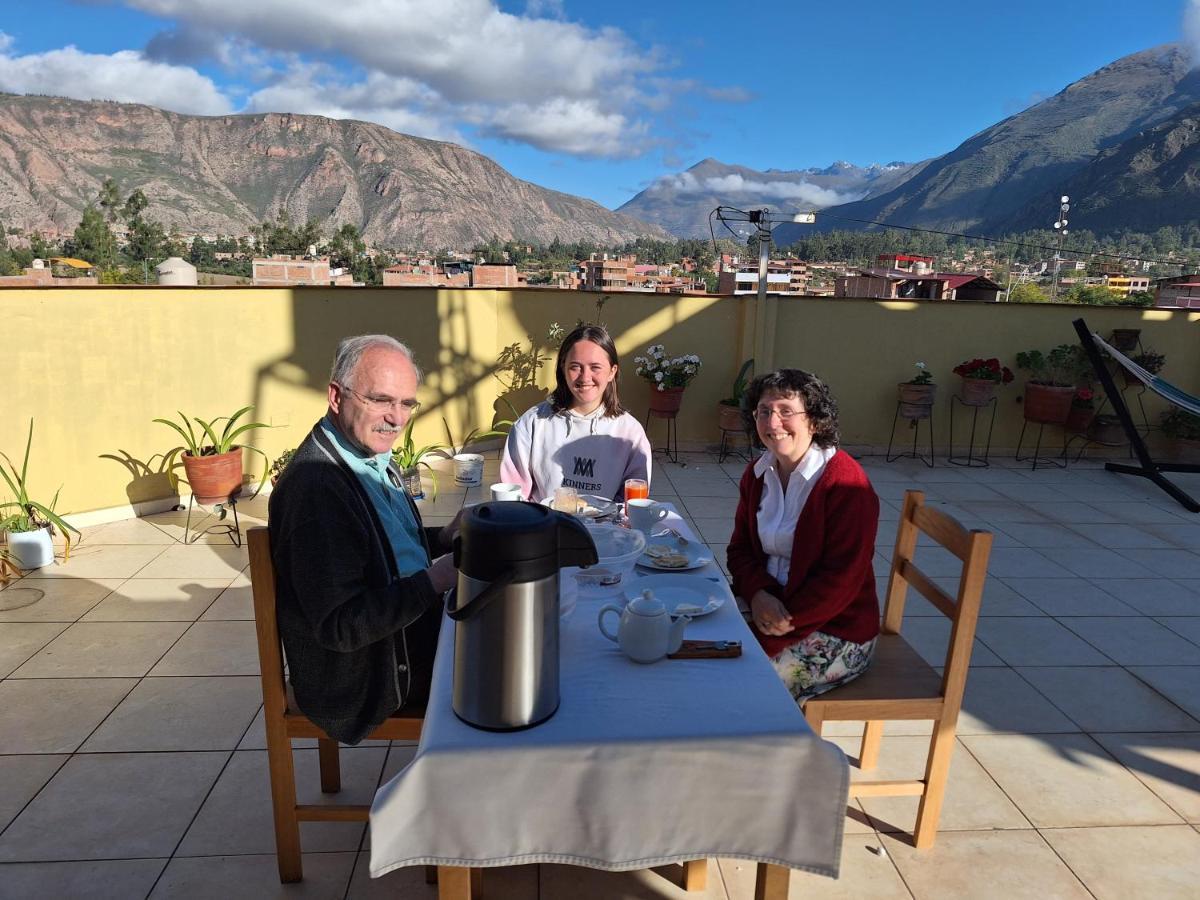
x=897, y=672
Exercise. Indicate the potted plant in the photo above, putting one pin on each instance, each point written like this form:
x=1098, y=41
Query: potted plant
x=1083, y=410
x=1150, y=360
x=410, y=459
x=468, y=467
x=280, y=464
x=1052, y=380
x=917, y=394
x=1182, y=431
x=29, y=523
x=1125, y=339
x=213, y=462
x=668, y=376
x=729, y=410
x=980, y=378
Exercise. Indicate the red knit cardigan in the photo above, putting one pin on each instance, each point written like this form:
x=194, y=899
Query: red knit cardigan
x=831, y=583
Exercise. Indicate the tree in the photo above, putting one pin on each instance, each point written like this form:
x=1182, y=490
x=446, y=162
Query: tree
x=134, y=206
x=93, y=240
x=109, y=199
x=1027, y=292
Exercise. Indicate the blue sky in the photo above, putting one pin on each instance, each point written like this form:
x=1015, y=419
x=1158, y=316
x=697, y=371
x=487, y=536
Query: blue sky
x=596, y=99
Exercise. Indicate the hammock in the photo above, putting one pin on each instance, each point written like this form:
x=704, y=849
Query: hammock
x=1164, y=389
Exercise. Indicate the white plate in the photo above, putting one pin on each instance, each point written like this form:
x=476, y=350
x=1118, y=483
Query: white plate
x=695, y=594
x=597, y=507
x=698, y=555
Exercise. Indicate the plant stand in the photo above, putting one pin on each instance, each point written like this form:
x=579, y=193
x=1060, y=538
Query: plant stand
x=916, y=429
x=970, y=460
x=727, y=445
x=672, y=447
x=1059, y=463
x=234, y=531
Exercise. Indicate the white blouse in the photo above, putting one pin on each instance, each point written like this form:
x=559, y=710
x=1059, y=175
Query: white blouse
x=779, y=510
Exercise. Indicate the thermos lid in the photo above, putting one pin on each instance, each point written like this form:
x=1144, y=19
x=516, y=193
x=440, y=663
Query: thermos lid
x=528, y=539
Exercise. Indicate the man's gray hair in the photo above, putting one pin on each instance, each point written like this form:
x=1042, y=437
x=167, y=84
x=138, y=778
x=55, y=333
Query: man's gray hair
x=351, y=350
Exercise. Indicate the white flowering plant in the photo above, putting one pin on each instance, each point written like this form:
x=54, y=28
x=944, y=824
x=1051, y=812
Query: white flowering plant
x=664, y=371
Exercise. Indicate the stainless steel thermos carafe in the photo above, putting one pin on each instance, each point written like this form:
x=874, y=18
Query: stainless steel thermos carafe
x=505, y=609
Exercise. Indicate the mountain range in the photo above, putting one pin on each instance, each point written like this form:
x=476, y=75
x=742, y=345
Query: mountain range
x=221, y=175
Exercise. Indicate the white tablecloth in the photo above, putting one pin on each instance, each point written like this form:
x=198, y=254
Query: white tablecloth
x=640, y=766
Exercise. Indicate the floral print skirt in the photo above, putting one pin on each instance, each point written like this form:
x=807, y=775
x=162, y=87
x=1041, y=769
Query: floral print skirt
x=821, y=662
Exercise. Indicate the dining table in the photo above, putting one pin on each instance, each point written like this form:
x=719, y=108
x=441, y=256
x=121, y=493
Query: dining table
x=642, y=765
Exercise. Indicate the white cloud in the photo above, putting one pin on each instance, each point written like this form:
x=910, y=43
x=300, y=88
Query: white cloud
x=738, y=185
x=1191, y=29
x=580, y=127
x=127, y=76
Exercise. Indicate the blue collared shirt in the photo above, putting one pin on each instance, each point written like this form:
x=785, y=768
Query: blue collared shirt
x=395, y=512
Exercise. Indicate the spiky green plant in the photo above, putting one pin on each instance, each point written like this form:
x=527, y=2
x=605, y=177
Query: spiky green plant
x=29, y=514
x=194, y=441
x=407, y=455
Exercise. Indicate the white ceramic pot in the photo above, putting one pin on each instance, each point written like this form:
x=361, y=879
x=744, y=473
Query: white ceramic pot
x=31, y=549
x=468, y=469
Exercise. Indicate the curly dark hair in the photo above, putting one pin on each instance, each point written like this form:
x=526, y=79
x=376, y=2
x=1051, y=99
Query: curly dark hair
x=562, y=398
x=818, y=400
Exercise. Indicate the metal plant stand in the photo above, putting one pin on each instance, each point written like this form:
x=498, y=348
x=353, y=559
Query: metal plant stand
x=1058, y=463
x=727, y=446
x=916, y=429
x=234, y=531
x=672, y=447
x=972, y=461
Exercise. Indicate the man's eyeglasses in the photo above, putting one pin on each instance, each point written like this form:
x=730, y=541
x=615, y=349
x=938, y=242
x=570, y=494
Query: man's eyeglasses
x=383, y=404
x=763, y=414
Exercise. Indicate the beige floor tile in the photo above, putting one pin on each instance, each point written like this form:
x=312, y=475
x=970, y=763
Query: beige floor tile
x=197, y=561
x=213, y=648
x=998, y=598
x=127, y=531
x=1010, y=562
x=1066, y=780
x=236, y=817
x=100, y=561
x=1185, y=626
x=1100, y=563
x=108, y=879
x=1107, y=698
x=256, y=737
x=1037, y=642
x=112, y=806
x=180, y=714
x=1115, y=863
x=21, y=640
x=973, y=802
x=1125, y=536
x=55, y=715
x=54, y=600
x=710, y=507
x=581, y=883
x=689, y=486
x=1152, y=596
x=1179, y=684
x=158, y=599
x=863, y=874
x=500, y=883
x=1069, y=597
x=176, y=526
x=1169, y=764
x=1173, y=563
x=931, y=636
x=252, y=878
x=22, y=777
x=1006, y=865
x=236, y=602
x=714, y=531
x=999, y=701
x=1133, y=642
x=1044, y=536
x=103, y=650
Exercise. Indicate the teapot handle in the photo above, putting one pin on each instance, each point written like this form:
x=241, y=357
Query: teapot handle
x=610, y=607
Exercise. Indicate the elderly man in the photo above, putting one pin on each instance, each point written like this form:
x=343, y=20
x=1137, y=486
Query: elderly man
x=359, y=598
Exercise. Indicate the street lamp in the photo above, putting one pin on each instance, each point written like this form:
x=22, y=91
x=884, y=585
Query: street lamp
x=1061, y=227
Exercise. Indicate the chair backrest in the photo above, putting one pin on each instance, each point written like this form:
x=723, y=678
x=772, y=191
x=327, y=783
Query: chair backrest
x=972, y=547
x=266, y=622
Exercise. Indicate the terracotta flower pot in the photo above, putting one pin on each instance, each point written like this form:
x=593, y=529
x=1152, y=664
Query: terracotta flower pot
x=978, y=391
x=1107, y=430
x=1079, y=418
x=1186, y=450
x=1125, y=339
x=1047, y=404
x=729, y=418
x=667, y=401
x=916, y=400
x=214, y=479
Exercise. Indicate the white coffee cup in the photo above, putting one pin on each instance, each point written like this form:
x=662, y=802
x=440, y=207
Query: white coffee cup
x=506, y=491
x=645, y=514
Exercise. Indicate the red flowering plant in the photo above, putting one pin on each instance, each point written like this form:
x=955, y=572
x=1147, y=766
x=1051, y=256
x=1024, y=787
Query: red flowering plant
x=987, y=369
x=1085, y=398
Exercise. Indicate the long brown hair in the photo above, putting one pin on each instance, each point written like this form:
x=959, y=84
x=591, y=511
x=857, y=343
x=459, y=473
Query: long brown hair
x=562, y=398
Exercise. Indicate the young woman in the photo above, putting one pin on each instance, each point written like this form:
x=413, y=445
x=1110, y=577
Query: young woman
x=803, y=538
x=580, y=437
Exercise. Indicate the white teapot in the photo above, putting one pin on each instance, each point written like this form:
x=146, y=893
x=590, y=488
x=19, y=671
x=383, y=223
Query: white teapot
x=645, y=633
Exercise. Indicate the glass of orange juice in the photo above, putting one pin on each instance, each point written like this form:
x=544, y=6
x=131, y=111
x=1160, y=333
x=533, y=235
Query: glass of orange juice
x=636, y=489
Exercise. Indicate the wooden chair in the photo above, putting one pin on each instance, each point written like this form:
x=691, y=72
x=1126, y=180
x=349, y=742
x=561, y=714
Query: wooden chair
x=899, y=684
x=284, y=722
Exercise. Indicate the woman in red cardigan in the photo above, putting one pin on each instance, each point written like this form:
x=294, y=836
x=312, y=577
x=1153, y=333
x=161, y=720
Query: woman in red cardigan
x=803, y=538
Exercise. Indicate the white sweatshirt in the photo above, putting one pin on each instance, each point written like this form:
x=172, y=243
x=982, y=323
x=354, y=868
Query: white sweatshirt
x=592, y=453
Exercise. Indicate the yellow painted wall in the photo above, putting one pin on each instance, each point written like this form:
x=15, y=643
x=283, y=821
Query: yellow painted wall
x=95, y=366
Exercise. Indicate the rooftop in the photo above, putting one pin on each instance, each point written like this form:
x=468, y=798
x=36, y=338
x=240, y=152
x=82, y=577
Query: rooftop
x=132, y=743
